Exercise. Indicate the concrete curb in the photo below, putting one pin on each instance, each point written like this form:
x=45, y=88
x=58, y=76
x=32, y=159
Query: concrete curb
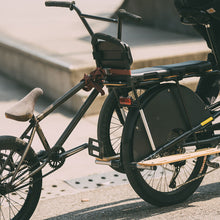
x=55, y=77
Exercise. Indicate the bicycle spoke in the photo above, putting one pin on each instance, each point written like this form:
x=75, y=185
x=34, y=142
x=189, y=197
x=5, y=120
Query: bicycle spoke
x=160, y=178
x=2, y=214
x=15, y=202
x=119, y=127
x=11, y=205
x=10, y=208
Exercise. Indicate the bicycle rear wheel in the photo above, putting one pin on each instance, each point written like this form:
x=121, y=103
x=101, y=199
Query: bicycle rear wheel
x=18, y=202
x=172, y=183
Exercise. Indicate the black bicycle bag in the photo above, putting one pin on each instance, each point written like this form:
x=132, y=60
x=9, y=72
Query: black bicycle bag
x=212, y=7
x=111, y=53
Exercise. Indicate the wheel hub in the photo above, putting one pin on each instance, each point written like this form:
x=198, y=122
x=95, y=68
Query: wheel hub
x=5, y=189
x=55, y=160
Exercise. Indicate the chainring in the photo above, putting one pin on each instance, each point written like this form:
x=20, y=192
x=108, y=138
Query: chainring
x=55, y=160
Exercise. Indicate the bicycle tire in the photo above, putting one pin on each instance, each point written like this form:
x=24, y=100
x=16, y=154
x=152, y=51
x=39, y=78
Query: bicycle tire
x=20, y=203
x=154, y=186
x=110, y=126
x=111, y=123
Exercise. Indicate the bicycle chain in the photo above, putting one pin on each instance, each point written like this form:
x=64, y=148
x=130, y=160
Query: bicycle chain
x=194, y=179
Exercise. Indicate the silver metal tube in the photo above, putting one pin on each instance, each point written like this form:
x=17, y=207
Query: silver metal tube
x=29, y=175
x=123, y=113
x=109, y=163
x=147, y=130
x=24, y=154
x=74, y=151
x=145, y=167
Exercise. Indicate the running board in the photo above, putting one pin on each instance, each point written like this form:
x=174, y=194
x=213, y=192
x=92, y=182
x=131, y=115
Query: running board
x=177, y=157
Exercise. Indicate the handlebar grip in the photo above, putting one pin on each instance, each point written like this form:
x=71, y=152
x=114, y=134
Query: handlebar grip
x=123, y=14
x=59, y=4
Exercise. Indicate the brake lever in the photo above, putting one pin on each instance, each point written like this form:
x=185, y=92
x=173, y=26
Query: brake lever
x=123, y=14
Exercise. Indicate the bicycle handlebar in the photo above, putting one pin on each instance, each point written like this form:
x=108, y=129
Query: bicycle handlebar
x=60, y=4
x=122, y=14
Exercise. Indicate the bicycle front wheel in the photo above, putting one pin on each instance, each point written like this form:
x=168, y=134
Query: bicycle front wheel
x=18, y=199
x=111, y=122
x=170, y=183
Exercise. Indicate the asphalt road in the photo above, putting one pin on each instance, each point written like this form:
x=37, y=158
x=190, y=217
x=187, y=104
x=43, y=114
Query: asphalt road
x=120, y=202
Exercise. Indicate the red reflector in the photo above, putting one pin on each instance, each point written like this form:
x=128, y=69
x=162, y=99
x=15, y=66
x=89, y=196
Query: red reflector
x=125, y=100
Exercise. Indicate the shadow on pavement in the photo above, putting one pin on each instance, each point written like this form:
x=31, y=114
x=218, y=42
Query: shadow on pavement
x=12, y=91
x=136, y=208
x=133, y=35
x=113, y=210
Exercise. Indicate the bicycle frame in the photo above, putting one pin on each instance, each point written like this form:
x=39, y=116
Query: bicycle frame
x=34, y=126
x=55, y=105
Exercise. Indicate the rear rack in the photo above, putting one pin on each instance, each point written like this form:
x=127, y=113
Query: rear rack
x=172, y=72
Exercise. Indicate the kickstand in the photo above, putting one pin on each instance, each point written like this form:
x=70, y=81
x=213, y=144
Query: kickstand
x=173, y=180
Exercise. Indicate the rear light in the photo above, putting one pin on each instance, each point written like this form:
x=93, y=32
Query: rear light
x=125, y=100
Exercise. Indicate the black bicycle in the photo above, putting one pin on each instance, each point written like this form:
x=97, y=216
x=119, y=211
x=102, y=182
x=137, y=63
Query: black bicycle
x=169, y=138
x=158, y=124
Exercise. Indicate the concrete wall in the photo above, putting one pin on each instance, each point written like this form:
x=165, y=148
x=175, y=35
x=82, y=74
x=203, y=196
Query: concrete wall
x=159, y=14
x=33, y=69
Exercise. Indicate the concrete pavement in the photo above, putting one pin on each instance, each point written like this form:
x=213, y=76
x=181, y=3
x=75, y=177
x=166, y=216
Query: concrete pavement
x=60, y=201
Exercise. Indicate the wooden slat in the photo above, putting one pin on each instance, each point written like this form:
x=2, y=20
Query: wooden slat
x=179, y=157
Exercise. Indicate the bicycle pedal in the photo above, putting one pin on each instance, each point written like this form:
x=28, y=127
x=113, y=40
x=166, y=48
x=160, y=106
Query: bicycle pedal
x=116, y=163
x=95, y=149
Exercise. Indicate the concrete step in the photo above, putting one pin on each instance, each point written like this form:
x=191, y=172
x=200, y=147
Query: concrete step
x=55, y=77
x=47, y=52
